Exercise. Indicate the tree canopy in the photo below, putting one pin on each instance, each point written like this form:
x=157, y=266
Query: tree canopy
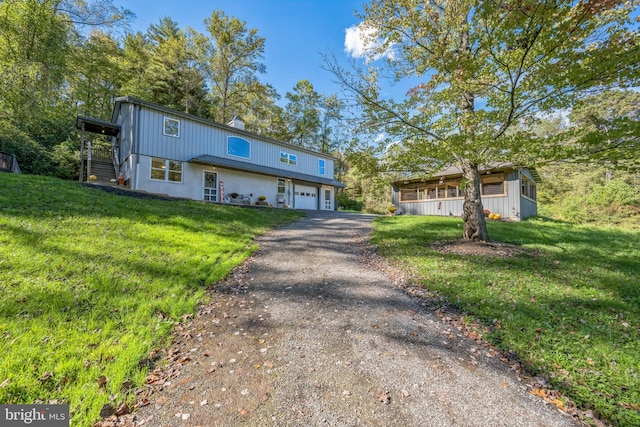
x=60, y=58
x=487, y=71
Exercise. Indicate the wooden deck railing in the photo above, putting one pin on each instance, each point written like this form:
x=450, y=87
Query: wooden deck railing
x=100, y=153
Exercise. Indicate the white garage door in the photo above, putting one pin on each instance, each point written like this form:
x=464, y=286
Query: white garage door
x=306, y=197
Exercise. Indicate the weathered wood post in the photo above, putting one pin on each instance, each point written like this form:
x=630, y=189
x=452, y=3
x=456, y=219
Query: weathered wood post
x=81, y=152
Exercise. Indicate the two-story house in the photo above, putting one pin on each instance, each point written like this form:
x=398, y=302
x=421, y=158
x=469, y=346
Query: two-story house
x=164, y=151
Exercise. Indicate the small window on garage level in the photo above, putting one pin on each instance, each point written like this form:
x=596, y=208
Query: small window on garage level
x=166, y=170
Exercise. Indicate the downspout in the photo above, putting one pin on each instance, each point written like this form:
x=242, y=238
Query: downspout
x=136, y=143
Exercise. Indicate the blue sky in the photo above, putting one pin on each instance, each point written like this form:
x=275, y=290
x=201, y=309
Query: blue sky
x=296, y=32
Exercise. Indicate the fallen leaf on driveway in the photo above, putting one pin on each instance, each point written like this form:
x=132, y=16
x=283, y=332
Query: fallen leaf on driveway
x=384, y=397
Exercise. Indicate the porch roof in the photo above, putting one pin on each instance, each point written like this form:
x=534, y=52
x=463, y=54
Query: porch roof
x=100, y=126
x=455, y=171
x=206, y=159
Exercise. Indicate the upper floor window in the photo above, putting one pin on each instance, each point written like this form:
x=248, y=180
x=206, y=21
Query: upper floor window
x=238, y=147
x=290, y=159
x=171, y=127
x=320, y=167
x=166, y=170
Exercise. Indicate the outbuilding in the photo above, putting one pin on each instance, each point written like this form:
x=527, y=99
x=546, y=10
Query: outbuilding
x=506, y=190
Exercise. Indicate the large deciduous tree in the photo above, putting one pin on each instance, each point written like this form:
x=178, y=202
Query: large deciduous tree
x=230, y=60
x=485, y=67
x=312, y=120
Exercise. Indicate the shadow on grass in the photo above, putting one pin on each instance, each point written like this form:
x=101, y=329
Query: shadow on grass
x=569, y=307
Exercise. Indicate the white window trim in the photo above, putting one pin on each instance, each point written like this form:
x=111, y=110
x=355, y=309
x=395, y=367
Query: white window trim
x=166, y=170
x=289, y=158
x=248, y=157
x=164, y=127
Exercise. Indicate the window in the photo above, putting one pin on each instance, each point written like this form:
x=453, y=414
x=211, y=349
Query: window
x=439, y=191
x=454, y=190
x=281, y=185
x=290, y=159
x=408, y=194
x=527, y=187
x=166, y=170
x=432, y=192
x=171, y=127
x=492, y=186
x=238, y=147
x=320, y=167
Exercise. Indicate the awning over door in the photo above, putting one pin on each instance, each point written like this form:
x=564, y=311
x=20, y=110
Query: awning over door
x=94, y=125
x=206, y=159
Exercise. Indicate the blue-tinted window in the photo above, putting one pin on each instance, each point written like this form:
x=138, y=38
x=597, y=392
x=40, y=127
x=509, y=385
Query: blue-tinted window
x=238, y=147
x=291, y=159
x=320, y=167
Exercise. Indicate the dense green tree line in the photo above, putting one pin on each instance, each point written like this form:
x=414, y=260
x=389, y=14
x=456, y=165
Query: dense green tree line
x=60, y=59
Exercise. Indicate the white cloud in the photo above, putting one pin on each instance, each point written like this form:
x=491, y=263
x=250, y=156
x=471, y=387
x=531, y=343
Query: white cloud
x=357, y=47
x=379, y=137
x=353, y=44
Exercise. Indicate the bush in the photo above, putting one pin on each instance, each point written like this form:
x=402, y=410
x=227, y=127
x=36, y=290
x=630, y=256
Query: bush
x=614, y=192
x=32, y=157
x=347, y=203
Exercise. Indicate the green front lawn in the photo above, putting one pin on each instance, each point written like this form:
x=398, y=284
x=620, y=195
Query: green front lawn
x=91, y=282
x=570, y=310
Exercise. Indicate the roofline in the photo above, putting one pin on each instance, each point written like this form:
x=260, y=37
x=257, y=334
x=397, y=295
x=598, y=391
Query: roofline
x=210, y=160
x=152, y=105
x=455, y=172
x=95, y=125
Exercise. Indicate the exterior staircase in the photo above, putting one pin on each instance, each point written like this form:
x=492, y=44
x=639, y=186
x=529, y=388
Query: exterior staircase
x=103, y=170
x=101, y=165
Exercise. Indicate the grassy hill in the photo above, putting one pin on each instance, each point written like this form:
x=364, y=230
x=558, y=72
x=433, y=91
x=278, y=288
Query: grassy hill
x=568, y=308
x=91, y=282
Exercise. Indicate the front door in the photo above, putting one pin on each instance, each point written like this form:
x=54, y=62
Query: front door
x=210, y=187
x=327, y=200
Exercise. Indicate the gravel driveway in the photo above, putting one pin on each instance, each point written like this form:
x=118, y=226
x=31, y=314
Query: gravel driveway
x=308, y=333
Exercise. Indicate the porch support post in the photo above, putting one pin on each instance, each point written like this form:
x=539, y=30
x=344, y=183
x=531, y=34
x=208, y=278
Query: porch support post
x=81, y=153
x=88, y=160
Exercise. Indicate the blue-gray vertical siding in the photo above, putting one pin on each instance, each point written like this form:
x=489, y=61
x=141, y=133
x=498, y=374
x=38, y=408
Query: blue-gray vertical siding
x=196, y=138
x=528, y=207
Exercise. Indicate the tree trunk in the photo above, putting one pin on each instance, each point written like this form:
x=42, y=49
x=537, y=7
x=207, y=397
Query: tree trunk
x=475, y=227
